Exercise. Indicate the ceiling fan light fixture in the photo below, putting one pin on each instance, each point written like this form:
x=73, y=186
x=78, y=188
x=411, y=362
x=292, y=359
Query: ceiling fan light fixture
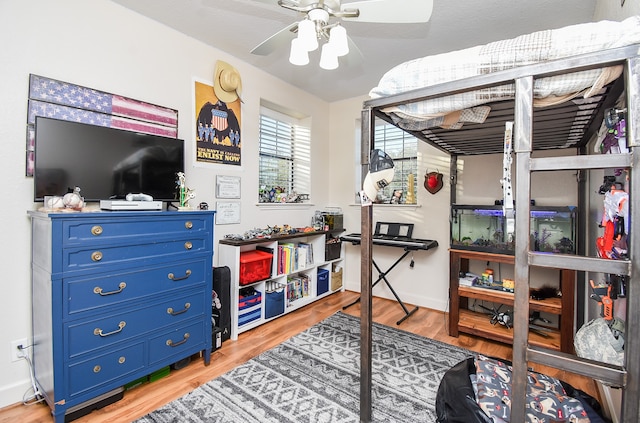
x=328, y=58
x=299, y=55
x=307, y=34
x=338, y=40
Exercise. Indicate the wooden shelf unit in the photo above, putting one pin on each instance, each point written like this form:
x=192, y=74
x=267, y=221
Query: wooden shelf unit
x=461, y=319
x=478, y=324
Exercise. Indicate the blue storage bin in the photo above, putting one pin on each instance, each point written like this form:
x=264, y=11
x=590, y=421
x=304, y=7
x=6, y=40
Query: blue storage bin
x=323, y=281
x=247, y=301
x=250, y=315
x=274, y=304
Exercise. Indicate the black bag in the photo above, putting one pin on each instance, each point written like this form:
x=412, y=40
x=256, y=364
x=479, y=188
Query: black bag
x=220, y=311
x=455, y=400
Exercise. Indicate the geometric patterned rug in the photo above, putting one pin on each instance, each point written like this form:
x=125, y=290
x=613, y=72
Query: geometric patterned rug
x=315, y=377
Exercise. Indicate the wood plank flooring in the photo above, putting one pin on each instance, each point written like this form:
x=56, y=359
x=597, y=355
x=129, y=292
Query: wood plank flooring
x=145, y=398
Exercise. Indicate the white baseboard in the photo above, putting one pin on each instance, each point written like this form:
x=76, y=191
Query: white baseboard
x=406, y=297
x=14, y=393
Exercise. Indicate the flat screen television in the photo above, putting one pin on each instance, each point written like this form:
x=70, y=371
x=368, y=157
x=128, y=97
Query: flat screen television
x=106, y=163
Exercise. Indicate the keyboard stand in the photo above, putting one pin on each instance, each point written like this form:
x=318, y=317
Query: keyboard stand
x=383, y=277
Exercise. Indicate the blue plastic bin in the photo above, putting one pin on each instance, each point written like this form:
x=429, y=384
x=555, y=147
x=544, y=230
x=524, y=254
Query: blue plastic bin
x=323, y=281
x=249, y=315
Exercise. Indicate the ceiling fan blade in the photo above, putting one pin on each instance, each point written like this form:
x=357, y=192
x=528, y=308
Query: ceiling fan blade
x=277, y=40
x=391, y=11
x=355, y=56
x=271, y=2
x=291, y=3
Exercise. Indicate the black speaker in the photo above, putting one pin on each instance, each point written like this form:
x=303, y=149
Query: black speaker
x=220, y=307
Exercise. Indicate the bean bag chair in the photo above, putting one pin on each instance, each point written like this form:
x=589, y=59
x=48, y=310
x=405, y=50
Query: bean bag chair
x=478, y=390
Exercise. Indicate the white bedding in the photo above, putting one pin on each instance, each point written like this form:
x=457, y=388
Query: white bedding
x=527, y=49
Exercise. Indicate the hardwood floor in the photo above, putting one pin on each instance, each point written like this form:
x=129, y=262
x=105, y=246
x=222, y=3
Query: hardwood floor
x=145, y=398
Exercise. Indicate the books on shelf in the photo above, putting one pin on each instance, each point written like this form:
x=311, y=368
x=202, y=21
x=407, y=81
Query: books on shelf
x=298, y=287
x=307, y=259
x=293, y=257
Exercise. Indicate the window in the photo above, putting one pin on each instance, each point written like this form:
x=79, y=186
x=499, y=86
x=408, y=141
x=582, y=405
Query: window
x=284, y=158
x=403, y=149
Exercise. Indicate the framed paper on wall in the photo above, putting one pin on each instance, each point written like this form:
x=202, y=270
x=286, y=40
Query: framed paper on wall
x=227, y=186
x=227, y=212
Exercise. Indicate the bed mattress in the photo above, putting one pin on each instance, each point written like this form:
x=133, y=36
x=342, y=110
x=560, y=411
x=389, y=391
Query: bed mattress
x=454, y=110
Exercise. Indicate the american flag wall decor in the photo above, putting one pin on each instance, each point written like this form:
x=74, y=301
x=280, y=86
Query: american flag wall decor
x=65, y=101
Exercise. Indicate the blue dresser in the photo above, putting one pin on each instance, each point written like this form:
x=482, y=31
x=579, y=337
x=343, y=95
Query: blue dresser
x=117, y=296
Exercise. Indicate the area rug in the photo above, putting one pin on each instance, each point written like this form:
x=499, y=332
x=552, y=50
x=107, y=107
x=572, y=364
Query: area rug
x=315, y=377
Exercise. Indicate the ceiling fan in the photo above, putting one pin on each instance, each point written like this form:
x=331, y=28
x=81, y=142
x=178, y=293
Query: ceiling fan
x=322, y=22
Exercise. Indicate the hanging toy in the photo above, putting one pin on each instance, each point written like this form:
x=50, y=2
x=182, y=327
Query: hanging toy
x=613, y=243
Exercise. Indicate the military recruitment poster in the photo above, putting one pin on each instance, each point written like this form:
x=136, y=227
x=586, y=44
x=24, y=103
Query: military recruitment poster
x=218, y=136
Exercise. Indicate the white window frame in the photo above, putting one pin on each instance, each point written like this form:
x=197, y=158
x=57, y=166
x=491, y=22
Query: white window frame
x=403, y=149
x=299, y=181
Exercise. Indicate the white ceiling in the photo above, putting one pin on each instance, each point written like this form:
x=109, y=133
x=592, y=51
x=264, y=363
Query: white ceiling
x=236, y=27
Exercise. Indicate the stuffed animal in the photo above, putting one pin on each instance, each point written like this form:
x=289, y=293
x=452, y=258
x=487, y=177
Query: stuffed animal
x=73, y=200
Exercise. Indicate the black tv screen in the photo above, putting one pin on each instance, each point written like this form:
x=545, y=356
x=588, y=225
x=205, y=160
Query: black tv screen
x=106, y=163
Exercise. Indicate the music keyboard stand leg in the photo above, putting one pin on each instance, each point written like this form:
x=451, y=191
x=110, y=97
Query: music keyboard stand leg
x=383, y=277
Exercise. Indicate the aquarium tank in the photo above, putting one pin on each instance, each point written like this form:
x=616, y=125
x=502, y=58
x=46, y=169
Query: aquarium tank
x=482, y=228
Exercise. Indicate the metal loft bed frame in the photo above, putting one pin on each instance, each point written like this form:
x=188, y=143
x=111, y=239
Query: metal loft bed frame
x=627, y=376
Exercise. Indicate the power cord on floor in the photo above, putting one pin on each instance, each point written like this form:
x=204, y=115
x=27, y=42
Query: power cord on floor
x=35, y=397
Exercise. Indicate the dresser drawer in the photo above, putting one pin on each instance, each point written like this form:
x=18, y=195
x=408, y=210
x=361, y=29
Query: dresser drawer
x=85, y=294
x=140, y=254
x=177, y=341
x=110, y=230
x=100, y=369
x=134, y=323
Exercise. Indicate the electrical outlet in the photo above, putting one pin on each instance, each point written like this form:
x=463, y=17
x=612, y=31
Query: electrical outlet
x=16, y=354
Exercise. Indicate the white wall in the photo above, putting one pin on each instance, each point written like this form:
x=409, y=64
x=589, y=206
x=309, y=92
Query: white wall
x=612, y=10
x=426, y=284
x=102, y=45
x=479, y=181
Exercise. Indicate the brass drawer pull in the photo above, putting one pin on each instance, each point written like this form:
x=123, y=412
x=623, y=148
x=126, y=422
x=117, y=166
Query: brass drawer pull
x=184, y=339
x=96, y=256
x=188, y=224
x=175, y=313
x=174, y=278
x=98, y=290
x=98, y=331
x=121, y=360
x=96, y=369
x=96, y=230
x=188, y=245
